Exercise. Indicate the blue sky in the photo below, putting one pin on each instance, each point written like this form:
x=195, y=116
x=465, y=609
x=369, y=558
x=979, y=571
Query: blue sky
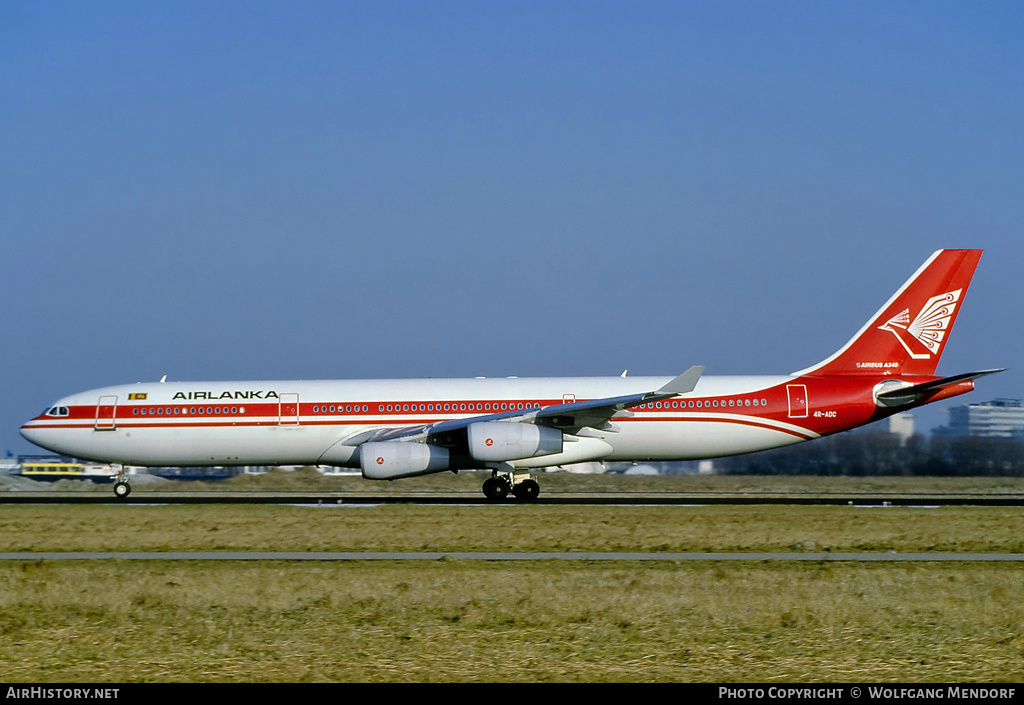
x=266, y=190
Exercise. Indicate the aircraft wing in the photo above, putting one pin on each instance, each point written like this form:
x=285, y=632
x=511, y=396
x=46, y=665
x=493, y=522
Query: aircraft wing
x=571, y=418
x=597, y=413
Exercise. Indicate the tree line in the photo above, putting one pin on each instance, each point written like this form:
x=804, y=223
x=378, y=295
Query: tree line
x=877, y=452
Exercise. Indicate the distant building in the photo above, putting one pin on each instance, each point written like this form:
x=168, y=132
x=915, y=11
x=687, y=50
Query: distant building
x=902, y=425
x=999, y=418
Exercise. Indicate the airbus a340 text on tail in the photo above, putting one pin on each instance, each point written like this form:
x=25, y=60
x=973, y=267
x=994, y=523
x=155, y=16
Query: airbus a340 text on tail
x=392, y=429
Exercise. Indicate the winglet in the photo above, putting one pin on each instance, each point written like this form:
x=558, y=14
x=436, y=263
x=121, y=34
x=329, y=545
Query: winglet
x=683, y=383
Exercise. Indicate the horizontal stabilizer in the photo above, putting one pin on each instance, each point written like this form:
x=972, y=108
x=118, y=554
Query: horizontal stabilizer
x=916, y=393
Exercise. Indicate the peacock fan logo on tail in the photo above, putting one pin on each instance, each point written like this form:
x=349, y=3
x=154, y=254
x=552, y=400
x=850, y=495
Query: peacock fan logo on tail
x=930, y=325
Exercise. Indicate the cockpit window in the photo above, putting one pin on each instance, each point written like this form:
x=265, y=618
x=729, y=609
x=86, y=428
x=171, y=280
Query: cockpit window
x=56, y=411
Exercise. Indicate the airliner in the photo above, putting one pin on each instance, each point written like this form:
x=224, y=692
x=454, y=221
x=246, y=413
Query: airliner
x=392, y=429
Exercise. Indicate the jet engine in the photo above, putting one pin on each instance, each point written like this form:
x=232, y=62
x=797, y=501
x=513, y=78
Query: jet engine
x=394, y=460
x=498, y=441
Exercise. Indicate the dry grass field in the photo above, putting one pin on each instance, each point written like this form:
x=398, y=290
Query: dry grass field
x=508, y=527
x=484, y=621
x=463, y=620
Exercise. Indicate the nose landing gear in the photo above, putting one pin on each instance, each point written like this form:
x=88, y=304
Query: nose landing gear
x=121, y=487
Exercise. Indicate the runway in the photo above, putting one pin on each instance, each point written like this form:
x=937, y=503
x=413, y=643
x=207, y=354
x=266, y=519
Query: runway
x=553, y=498
x=889, y=557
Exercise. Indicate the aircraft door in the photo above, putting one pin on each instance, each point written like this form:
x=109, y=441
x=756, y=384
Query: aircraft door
x=797, y=400
x=288, y=409
x=106, y=413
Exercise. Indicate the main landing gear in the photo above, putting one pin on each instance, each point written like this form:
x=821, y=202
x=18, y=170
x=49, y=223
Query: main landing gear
x=498, y=486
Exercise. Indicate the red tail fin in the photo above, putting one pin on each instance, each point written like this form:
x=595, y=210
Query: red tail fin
x=908, y=333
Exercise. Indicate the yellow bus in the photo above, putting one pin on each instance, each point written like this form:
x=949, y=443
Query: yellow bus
x=58, y=470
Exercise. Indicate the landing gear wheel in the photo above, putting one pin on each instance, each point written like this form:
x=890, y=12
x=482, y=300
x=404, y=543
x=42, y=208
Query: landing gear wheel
x=122, y=490
x=527, y=490
x=496, y=488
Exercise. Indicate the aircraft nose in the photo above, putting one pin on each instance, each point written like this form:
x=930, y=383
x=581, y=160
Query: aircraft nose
x=36, y=435
x=29, y=433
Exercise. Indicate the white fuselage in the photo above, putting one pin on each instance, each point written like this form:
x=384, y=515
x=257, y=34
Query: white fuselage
x=308, y=422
